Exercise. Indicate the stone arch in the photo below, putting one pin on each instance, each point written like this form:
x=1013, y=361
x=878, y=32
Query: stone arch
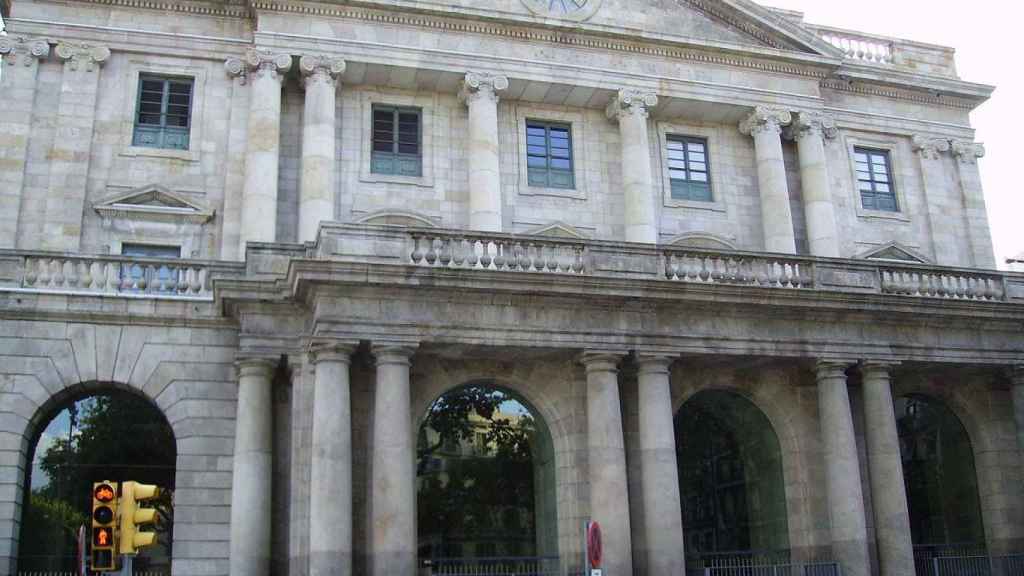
x=398, y=217
x=785, y=395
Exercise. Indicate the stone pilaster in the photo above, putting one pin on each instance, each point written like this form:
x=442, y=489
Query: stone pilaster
x=609, y=493
x=231, y=245
x=393, y=492
x=885, y=467
x=251, y=470
x=765, y=124
x=811, y=130
x=1017, y=380
x=842, y=470
x=72, y=144
x=967, y=154
x=316, y=195
x=18, y=86
x=630, y=108
x=659, y=476
x=932, y=154
x=480, y=93
x=330, y=486
x=264, y=72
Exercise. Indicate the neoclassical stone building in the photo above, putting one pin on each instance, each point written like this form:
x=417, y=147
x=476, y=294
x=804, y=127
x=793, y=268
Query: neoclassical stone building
x=735, y=266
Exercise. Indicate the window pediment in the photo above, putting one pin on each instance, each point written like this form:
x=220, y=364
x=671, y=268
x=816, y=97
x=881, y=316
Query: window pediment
x=153, y=202
x=895, y=252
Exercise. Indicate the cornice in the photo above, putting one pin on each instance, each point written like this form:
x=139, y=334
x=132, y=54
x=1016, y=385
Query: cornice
x=224, y=9
x=716, y=12
x=843, y=85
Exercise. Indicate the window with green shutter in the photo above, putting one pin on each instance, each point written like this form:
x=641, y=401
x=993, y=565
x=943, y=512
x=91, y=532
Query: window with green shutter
x=874, y=180
x=163, y=112
x=397, y=141
x=689, y=171
x=549, y=154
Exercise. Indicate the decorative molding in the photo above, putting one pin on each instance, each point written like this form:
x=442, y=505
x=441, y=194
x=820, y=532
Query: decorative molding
x=219, y=10
x=967, y=152
x=482, y=85
x=543, y=8
x=765, y=119
x=894, y=252
x=153, y=202
x=704, y=240
x=397, y=217
x=631, y=101
x=320, y=68
x=23, y=50
x=557, y=229
x=817, y=124
x=930, y=148
x=920, y=97
x=260, y=62
x=714, y=11
x=77, y=55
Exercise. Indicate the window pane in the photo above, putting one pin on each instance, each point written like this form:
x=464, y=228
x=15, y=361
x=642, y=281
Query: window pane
x=537, y=161
x=408, y=148
x=537, y=150
x=860, y=157
x=532, y=130
x=697, y=156
x=561, y=164
x=698, y=176
x=549, y=155
x=698, y=166
x=675, y=145
x=533, y=140
x=677, y=174
x=695, y=146
x=881, y=187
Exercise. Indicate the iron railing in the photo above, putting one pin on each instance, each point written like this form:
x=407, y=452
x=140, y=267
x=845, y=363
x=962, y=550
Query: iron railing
x=495, y=566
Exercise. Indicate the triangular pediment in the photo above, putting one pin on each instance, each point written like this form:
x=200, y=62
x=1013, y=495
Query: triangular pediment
x=558, y=229
x=894, y=252
x=153, y=202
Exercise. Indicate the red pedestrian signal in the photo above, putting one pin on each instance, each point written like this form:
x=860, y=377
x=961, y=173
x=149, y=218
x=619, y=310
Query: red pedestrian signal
x=104, y=535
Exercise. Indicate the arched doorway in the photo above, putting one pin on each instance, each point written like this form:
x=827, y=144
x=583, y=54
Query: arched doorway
x=111, y=435
x=941, y=482
x=730, y=480
x=485, y=480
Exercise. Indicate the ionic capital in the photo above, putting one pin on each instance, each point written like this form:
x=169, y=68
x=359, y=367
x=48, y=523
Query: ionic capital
x=968, y=152
x=812, y=124
x=766, y=119
x=86, y=56
x=320, y=68
x=477, y=85
x=930, y=148
x=22, y=50
x=631, y=102
x=259, y=62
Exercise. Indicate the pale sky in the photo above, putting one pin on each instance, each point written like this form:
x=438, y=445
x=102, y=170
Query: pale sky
x=985, y=34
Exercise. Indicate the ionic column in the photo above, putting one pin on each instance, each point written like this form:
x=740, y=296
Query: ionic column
x=393, y=495
x=259, y=197
x=765, y=125
x=810, y=130
x=316, y=192
x=842, y=470
x=330, y=485
x=480, y=93
x=946, y=243
x=885, y=467
x=629, y=107
x=18, y=86
x=251, y=470
x=609, y=493
x=1017, y=376
x=659, y=477
x=967, y=154
x=69, y=156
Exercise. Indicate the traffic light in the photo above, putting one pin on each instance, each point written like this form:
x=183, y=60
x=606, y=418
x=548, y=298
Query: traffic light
x=133, y=515
x=104, y=525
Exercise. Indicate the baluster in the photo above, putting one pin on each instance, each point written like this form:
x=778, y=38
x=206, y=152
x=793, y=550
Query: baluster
x=472, y=253
x=458, y=251
x=716, y=272
x=577, y=263
x=500, y=257
x=522, y=251
x=773, y=273
x=89, y=275
x=417, y=254
x=58, y=274
x=942, y=287
x=143, y=283
x=995, y=291
x=485, y=253
x=960, y=286
x=195, y=280
x=445, y=255
x=72, y=275
x=704, y=274
x=670, y=266
x=431, y=255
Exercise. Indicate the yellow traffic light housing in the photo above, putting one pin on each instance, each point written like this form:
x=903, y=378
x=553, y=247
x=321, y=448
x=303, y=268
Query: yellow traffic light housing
x=104, y=527
x=133, y=516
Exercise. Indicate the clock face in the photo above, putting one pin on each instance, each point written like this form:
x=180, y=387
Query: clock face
x=568, y=9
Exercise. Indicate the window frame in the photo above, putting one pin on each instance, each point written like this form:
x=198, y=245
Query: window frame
x=587, y=163
x=163, y=66
x=718, y=151
x=547, y=126
x=873, y=181
x=430, y=123
x=397, y=155
x=163, y=129
x=686, y=140
x=898, y=149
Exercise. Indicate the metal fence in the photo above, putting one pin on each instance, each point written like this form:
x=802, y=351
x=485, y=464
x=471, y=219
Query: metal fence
x=495, y=566
x=795, y=569
x=75, y=573
x=973, y=565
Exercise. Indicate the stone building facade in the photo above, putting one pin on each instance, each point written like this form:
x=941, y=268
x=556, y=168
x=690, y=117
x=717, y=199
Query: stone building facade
x=294, y=225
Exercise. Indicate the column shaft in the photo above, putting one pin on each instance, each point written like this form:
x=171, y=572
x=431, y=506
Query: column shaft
x=1018, y=404
x=630, y=108
x=810, y=131
x=885, y=467
x=967, y=154
x=480, y=93
x=316, y=192
x=948, y=246
x=251, y=472
x=609, y=493
x=765, y=125
x=393, y=496
x=842, y=470
x=659, y=477
x=330, y=486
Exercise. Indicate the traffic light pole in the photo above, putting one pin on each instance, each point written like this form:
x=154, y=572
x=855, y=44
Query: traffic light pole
x=126, y=564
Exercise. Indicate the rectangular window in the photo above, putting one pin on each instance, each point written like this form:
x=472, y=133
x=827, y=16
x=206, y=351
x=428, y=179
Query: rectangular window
x=874, y=180
x=396, y=141
x=549, y=155
x=688, y=169
x=163, y=112
x=155, y=276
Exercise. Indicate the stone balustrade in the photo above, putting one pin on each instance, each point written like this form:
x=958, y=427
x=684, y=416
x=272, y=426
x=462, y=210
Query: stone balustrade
x=718, y=268
x=862, y=48
x=941, y=284
x=497, y=252
x=110, y=275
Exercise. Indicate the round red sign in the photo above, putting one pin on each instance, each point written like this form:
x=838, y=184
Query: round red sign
x=594, y=544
